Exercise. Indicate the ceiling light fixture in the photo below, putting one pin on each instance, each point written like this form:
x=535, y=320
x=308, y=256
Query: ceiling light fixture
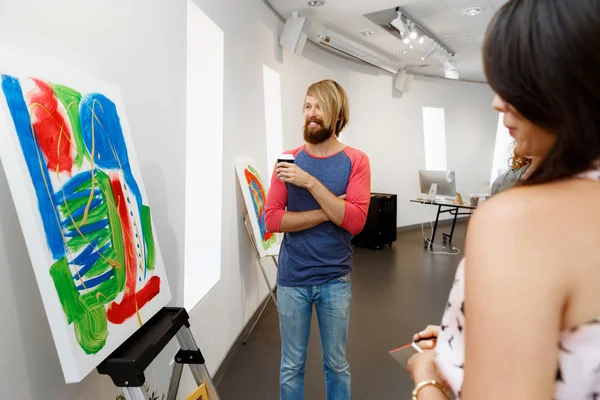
x=368, y=32
x=402, y=52
x=399, y=24
x=413, y=31
x=428, y=55
x=316, y=3
x=472, y=11
x=422, y=40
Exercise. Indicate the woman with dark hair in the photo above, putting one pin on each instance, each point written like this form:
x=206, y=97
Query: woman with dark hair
x=522, y=321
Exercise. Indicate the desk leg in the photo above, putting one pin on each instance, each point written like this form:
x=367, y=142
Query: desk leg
x=453, y=225
x=437, y=218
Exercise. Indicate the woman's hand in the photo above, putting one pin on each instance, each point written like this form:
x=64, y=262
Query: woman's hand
x=427, y=338
x=422, y=367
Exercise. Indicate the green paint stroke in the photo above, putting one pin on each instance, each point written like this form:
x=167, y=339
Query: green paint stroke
x=148, y=238
x=101, y=295
x=90, y=320
x=96, y=214
x=91, y=331
x=71, y=99
x=114, y=226
x=102, y=265
x=78, y=242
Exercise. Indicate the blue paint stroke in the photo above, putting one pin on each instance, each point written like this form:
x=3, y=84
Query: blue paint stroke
x=88, y=228
x=38, y=168
x=59, y=198
x=93, y=282
x=72, y=186
x=110, y=149
x=88, y=257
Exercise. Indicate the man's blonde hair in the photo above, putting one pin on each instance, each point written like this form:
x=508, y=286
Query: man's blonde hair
x=333, y=101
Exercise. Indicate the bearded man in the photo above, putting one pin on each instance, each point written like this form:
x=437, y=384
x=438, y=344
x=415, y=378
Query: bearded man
x=320, y=201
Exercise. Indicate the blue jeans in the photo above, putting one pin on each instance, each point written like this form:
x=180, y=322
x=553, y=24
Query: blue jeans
x=332, y=301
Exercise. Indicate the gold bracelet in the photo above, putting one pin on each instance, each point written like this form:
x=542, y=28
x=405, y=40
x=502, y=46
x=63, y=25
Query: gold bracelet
x=421, y=385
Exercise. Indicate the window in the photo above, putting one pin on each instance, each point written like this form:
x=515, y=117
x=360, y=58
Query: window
x=273, y=119
x=502, y=150
x=204, y=153
x=434, y=128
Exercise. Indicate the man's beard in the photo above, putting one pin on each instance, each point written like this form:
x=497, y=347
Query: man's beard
x=317, y=134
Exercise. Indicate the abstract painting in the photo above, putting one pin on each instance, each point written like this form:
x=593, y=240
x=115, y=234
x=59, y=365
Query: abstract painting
x=255, y=197
x=73, y=174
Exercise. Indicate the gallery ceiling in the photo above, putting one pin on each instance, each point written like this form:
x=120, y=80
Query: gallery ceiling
x=444, y=20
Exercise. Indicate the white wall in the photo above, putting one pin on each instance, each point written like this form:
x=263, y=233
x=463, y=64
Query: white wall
x=392, y=135
x=142, y=47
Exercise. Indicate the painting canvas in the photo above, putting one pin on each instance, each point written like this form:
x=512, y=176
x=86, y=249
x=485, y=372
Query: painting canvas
x=68, y=155
x=255, y=197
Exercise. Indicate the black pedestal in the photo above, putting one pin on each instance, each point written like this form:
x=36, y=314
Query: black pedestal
x=380, y=228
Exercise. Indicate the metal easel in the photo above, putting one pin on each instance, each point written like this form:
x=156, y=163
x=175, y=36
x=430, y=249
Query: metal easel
x=264, y=273
x=127, y=364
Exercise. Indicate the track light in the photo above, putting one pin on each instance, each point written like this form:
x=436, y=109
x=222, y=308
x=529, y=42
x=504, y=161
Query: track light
x=399, y=24
x=426, y=57
x=413, y=31
x=433, y=50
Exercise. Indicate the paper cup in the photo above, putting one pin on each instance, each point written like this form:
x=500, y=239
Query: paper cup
x=288, y=158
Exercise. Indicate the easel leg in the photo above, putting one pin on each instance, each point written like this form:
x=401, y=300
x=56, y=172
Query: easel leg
x=271, y=294
x=199, y=371
x=264, y=307
x=271, y=290
x=175, y=381
x=134, y=393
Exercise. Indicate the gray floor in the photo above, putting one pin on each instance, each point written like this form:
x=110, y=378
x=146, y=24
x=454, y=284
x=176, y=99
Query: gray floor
x=396, y=292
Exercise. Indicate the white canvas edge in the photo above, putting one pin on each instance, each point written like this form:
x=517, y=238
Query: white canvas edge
x=30, y=223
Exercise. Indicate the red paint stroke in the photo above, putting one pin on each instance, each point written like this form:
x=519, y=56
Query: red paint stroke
x=255, y=184
x=118, y=313
x=51, y=130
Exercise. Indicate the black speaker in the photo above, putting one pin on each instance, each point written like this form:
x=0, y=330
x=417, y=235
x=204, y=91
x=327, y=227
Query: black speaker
x=380, y=228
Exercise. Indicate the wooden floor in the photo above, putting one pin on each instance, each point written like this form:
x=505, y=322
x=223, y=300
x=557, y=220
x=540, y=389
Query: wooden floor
x=396, y=292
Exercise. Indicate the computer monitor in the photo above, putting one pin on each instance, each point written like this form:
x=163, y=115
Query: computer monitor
x=445, y=181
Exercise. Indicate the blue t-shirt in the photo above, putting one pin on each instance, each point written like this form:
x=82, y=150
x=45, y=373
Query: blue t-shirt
x=318, y=254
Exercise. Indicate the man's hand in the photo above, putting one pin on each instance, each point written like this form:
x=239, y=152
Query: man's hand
x=291, y=173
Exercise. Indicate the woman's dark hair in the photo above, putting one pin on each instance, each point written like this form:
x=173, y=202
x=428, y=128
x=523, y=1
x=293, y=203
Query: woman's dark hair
x=543, y=58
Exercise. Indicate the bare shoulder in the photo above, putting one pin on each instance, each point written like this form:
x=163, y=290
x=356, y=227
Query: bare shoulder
x=568, y=203
x=547, y=229
x=541, y=239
